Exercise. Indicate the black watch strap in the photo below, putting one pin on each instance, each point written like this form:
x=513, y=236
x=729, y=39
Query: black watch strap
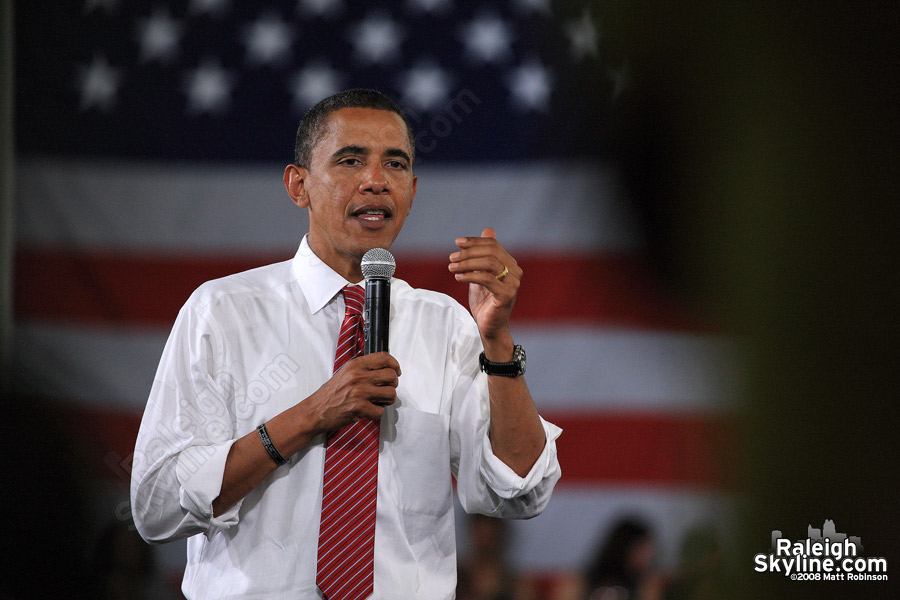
x=513, y=368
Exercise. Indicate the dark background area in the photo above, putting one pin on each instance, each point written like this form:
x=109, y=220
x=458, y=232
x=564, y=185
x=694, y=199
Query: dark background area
x=760, y=142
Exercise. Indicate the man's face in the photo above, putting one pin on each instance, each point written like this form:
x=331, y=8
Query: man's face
x=359, y=186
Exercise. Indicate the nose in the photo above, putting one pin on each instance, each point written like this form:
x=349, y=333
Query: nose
x=374, y=181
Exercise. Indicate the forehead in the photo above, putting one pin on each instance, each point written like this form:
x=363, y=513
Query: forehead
x=370, y=128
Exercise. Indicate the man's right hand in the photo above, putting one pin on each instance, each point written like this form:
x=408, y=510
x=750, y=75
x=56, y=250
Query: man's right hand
x=360, y=390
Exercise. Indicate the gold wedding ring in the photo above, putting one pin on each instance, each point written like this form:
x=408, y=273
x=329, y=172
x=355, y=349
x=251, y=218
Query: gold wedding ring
x=503, y=274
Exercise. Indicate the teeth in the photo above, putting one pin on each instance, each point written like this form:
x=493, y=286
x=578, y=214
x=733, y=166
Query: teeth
x=375, y=212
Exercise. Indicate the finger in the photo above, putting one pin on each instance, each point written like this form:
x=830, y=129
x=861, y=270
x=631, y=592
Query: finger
x=490, y=264
x=487, y=233
x=472, y=261
x=504, y=290
x=387, y=362
x=480, y=249
x=383, y=395
x=474, y=247
x=372, y=411
x=469, y=260
x=376, y=361
x=360, y=381
x=385, y=377
x=364, y=394
x=468, y=242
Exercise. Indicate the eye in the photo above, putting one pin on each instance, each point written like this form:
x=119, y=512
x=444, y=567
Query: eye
x=350, y=161
x=396, y=164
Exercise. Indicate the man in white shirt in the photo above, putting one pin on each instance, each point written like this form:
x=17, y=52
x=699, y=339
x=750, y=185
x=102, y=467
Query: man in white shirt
x=257, y=348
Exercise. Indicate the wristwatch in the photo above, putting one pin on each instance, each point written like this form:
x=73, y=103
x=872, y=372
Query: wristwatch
x=513, y=368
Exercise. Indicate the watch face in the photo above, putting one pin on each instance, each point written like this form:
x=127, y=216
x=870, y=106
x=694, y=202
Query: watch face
x=520, y=357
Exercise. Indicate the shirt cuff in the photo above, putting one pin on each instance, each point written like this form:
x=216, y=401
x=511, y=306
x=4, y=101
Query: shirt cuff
x=503, y=480
x=200, y=470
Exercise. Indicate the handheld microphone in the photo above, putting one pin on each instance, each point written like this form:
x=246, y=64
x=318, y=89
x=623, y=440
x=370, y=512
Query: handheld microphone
x=378, y=267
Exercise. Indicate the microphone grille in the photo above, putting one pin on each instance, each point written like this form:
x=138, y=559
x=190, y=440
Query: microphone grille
x=378, y=263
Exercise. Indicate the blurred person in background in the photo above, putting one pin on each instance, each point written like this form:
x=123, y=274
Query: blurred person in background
x=623, y=566
x=701, y=571
x=485, y=574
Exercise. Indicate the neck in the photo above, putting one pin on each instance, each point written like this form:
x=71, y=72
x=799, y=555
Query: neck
x=344, y=264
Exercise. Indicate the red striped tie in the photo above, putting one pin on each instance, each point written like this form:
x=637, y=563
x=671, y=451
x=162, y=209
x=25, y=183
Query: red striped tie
x=345, y=569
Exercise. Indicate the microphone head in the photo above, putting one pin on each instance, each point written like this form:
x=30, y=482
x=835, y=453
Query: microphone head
x=378, y=263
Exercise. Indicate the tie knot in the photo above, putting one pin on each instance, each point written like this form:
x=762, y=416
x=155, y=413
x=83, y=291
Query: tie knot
x=354, y=298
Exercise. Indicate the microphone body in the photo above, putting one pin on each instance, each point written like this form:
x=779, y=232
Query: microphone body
x=378, y=267
x=377, y=314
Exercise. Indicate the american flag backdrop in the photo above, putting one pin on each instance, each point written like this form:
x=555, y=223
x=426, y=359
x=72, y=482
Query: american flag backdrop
x=151, y=140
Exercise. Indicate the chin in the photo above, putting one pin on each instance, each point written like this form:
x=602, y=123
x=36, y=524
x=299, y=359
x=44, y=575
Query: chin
x=379, y=239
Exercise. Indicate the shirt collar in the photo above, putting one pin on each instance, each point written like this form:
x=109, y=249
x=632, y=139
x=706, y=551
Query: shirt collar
x=319, y=282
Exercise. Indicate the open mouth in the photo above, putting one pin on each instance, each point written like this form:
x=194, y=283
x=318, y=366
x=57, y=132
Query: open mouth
x=372, y=214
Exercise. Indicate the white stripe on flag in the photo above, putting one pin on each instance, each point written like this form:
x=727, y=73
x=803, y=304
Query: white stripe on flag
x=138, y=206
x=568, y=368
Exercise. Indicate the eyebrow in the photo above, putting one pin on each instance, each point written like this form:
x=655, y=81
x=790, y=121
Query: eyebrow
x=399, y=154
x=351, y=149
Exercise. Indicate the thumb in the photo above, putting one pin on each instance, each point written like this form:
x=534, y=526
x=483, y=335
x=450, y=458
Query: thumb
x=489, y=233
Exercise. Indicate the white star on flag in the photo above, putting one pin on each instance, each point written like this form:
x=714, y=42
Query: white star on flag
x=214, y=8
x=582, y=36
x=268, y=40
x=429, y=7
x=487, y=39
x=314, y=82
x=208, y=89
x=425, y=86
x=108, y=6
x=320, y=8
x=99, y=84
x=530, y=85
x=376, y=39
x=537, y=6
x=158, y=36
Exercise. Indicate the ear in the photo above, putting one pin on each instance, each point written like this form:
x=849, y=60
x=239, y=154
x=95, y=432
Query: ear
x=295, y=184
x=413, y=196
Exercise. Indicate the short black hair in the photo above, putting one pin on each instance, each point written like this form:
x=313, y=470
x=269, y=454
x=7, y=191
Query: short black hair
x=312, y=125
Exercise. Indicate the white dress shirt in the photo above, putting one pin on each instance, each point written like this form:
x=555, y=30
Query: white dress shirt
x=245, y=348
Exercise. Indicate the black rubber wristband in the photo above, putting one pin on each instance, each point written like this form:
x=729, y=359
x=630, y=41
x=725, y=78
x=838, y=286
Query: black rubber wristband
x=269, y=446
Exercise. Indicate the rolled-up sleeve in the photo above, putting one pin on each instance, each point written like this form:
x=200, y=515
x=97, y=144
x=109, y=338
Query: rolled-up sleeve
x=198, y=487
x=185, y=435
x=485, y=484
x=504, y=481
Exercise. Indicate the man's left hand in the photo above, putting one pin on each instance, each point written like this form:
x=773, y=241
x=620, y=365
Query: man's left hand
x=493, y=277
x=516, y=433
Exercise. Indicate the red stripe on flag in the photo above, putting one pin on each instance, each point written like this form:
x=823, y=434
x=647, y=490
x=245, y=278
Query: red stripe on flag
x=148, y=289
x=647, y=449
x=112, y=288
x=680, y=451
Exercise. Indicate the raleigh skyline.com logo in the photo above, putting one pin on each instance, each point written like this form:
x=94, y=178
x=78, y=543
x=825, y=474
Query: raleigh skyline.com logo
x=826, y=555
